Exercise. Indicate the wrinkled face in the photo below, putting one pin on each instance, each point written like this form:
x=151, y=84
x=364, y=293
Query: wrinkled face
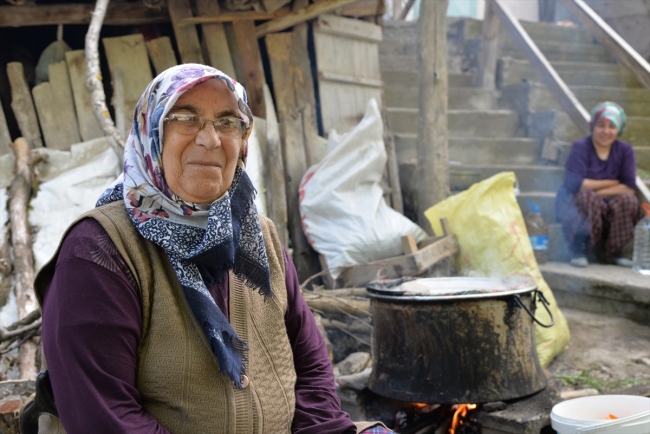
x=200, y=167
x=605, y=133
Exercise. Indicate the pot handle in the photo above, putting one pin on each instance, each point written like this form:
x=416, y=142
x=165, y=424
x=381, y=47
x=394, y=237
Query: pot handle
x=537, y=295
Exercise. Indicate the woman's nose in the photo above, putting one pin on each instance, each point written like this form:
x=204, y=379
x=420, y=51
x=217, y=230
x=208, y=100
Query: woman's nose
x=208, y=137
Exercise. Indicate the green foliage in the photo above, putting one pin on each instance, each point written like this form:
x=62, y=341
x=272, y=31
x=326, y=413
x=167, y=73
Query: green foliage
x=586, y=378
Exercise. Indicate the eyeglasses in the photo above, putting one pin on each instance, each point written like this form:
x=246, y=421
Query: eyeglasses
x=190, y=124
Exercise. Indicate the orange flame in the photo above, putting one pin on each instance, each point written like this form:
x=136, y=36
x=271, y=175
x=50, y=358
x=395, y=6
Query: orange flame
x=461, y=411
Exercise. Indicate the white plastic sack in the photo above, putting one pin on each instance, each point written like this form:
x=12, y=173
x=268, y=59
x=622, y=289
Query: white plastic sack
x=64, y=198
x=344, y=215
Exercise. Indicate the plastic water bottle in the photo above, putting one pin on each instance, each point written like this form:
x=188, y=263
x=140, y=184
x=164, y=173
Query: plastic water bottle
x=537, y=232
x=641, y=258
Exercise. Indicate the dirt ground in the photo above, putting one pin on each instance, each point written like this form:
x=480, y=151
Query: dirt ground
x=609, y=354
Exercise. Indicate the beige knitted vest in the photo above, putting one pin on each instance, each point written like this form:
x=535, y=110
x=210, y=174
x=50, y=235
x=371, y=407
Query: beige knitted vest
x=178, y=376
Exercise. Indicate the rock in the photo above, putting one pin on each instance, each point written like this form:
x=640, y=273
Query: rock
x=358, y=381
x=354, y=363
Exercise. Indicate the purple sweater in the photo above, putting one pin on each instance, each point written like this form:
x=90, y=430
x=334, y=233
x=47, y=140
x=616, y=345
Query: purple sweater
x=583, y=162
x=91, y=329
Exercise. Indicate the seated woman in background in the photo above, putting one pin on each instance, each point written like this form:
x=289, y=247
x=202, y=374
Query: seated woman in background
x=597, y=202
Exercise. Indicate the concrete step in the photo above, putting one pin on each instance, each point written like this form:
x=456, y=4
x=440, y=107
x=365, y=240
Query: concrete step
x=514, y=71
x=603, y=289
x=557, y=125
x=392, y=78
x=461, y=123
x=459, y=98
x=529, y=178
x=566, y=52
x=475, y=150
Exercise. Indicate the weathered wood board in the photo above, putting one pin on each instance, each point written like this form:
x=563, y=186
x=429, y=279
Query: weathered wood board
x=347, y=57
x=88, y=126
x=161, y=53
x=292, y=80
x=251, y=62
x=129, y=53
x=55, y=108
x=5, y=137
x=187, y=39
x=23, y=106
x=215, y=43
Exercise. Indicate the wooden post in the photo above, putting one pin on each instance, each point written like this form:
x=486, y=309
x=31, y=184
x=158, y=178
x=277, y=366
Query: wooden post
x=23, y=106
x=161, y=54
x=432, y=150
x=20, y=192
x=487, y=60
x=251, y=63
x=5, y=137
x=290, y=79
x=215, y=43
x=187, y=39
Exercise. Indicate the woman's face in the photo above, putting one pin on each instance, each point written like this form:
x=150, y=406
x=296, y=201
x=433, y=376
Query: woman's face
x=605, y=133
x=200, y=168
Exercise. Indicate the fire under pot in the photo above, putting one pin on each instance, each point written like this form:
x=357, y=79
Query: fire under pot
x=455, y=340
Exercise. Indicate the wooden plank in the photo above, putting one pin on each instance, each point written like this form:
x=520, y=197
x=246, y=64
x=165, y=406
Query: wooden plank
x=544, y=69
x=399, y=266
x=342, y=78
x=23, y=106
x=5, y=137
x=251, y=61
x=409, y=245
x=161, y=53
x=271, y=6
x=56, y=133
x=276, y=189
x=88, y=126
x=215, y=42
x=289, y=81
x=299, y=16
x=118, y=13
x=228, y=17
x=355, y=29
x=612, y=41
x=187, y=39
x=363, y=8
x=487, y=56
x=128, y=53
x=62, y=92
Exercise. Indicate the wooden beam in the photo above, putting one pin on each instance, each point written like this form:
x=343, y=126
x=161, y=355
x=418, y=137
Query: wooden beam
x=23, y=106
x=542, y=66
x=118, y=14
x=187, y=39
x=251, y=62
x=487, y=56
x=432, y=146
x=363, y=8
x=299, y=16
x=89, y=128
x=215, y=42
x=613, y=42
x=233, y=16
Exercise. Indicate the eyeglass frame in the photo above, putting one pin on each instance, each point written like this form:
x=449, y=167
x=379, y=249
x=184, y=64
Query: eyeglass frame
x=245, y=127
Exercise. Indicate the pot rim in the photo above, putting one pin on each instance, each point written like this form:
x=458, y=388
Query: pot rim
x=455, y=288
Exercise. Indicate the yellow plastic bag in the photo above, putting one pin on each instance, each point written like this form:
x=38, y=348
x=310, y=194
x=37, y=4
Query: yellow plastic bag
x=494, y=242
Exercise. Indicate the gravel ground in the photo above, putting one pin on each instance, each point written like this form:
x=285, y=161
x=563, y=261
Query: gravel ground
x=609, y=354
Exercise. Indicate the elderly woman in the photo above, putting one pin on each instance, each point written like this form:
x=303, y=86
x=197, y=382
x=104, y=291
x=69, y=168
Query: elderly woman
x=172, y=307
x=596, y=202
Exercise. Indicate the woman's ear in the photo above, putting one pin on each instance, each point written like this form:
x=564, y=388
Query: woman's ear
x=243, y=153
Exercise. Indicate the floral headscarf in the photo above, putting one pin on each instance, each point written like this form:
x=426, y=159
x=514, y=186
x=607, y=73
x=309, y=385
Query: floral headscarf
x=609, y=110
x=201, y=242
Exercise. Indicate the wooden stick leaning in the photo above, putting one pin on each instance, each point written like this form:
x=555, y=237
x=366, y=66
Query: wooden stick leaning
x=94, y=82
x=20, y=192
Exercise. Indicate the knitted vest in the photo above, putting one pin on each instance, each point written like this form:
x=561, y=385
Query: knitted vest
x=178, y=375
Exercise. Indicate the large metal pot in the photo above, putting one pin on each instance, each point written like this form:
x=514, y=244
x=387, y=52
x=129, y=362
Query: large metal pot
x=455, y=340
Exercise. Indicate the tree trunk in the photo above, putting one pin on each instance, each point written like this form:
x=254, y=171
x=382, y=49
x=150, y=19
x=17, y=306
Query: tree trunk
x=21, y=241
x=432, y=150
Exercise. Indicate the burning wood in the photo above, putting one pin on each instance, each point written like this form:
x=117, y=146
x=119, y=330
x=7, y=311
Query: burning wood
x=459, y=418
